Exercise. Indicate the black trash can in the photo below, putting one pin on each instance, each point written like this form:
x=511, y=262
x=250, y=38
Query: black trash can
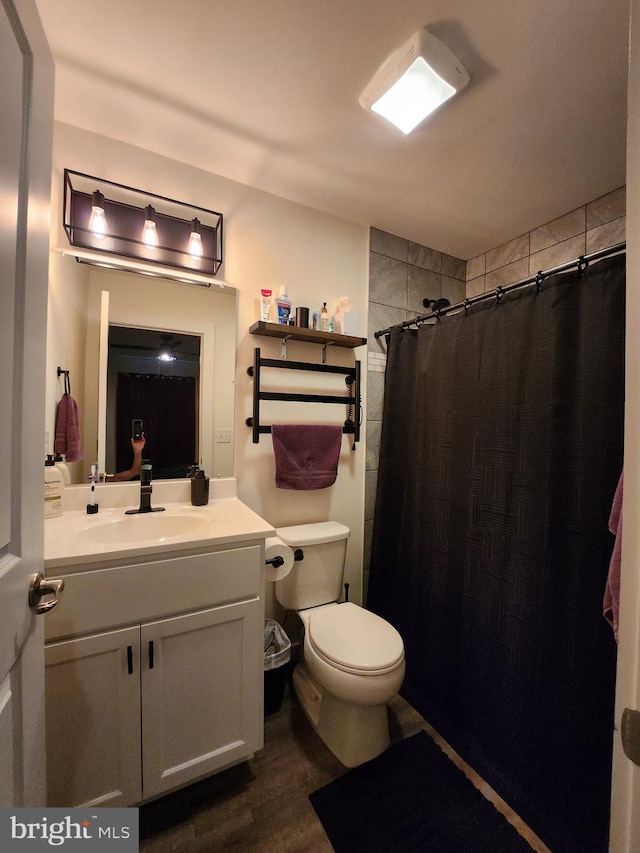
x=277, y=654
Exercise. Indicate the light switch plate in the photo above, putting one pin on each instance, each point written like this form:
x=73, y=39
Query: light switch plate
x=223, y=436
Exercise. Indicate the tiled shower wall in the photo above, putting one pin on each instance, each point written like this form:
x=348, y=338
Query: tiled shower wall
x=589, y=228
x=402, y=274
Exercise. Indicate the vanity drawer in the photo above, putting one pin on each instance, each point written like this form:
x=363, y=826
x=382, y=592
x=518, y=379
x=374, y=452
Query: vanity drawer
x=108, y=598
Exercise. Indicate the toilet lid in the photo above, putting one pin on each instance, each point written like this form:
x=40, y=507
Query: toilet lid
x=355, y=639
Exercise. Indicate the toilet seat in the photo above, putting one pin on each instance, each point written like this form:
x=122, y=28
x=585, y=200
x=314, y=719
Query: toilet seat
x=354, y=640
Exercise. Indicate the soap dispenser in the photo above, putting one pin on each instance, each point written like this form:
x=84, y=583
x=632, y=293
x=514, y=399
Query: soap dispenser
x=199, y=488
x=61, y=465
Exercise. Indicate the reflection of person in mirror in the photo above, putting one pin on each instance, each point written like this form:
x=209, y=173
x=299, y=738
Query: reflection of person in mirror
x=134, y=471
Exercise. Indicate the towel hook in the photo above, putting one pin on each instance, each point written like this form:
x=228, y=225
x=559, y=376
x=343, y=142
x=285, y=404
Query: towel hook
x=67, y=383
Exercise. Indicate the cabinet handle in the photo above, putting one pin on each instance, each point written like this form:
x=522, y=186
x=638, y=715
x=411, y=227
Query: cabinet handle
x=150, y=654
x=130, y=660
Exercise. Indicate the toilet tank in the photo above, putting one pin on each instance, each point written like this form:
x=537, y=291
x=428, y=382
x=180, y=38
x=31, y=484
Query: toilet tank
x=317, y=578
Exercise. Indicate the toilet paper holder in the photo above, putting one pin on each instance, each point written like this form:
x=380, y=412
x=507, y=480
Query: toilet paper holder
x=278, y=561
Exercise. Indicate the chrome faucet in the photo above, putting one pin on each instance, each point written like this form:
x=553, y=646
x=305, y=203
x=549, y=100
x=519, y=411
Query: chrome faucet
x=145, y=491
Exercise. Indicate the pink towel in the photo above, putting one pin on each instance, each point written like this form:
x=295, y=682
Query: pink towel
x=306, y=455
x=611, y=605
x=67, y=438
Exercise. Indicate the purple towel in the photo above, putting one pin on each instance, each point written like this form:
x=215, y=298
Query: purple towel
x=67, y=438
x=611, y=605
x=306, y=455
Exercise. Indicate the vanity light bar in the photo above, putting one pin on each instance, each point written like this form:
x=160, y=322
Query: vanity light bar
x=114, y=219
x=94, y=259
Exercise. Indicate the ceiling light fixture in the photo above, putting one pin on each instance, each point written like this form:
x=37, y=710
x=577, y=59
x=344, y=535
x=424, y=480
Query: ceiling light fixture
x=107, y=219
x=165, y=350
x=414, y=81
x=165, y=354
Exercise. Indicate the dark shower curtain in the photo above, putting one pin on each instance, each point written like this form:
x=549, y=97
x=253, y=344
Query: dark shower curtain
x=167, y=406
x=501, y=449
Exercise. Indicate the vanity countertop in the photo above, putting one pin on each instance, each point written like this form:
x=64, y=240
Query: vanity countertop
x=76, y=538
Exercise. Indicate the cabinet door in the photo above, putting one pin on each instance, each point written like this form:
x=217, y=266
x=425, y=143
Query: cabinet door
x=93, y=720
x=202, y=693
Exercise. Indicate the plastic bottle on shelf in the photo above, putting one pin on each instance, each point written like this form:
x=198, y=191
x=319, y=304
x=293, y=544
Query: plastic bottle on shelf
x=324, y=318
x=283, y=306
x=342, y=316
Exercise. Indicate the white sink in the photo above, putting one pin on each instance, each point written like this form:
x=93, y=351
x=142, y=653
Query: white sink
x=150, y=527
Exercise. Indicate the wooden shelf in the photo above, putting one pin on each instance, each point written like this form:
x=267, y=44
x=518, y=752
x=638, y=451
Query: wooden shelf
x=311, y=336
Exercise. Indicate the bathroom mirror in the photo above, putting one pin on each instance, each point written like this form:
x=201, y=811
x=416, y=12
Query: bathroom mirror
x=90, y=302
x=153, y=395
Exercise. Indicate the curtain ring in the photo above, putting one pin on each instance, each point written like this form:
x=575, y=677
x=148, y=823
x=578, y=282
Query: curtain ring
x=583, y=263
x=499, y=294
x=467, y=305
x=539, y=280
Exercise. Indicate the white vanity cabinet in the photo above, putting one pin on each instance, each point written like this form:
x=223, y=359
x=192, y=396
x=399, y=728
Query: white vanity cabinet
x=93, y=720
x=154, y=675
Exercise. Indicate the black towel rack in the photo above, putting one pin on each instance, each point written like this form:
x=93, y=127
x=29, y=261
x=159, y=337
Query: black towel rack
x=351, y=399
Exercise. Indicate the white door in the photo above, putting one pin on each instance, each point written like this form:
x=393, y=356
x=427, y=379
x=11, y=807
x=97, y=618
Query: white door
x=26, y=123
x=625, y=802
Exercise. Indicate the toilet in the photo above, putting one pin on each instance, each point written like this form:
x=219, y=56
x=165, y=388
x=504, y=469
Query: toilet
x=353, y=661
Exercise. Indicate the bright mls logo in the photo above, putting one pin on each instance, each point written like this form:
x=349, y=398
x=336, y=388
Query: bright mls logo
x=72, y=829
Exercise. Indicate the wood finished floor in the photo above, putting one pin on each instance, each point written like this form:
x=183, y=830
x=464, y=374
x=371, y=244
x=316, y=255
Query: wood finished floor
x=262, y=806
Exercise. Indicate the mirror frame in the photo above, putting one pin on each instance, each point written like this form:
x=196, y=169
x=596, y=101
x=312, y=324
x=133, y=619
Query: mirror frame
x=143, y=301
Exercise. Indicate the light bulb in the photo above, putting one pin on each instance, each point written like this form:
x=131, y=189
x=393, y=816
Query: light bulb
x=414, y=96
x=149, y=232
x=97, y=220
x=195, y=240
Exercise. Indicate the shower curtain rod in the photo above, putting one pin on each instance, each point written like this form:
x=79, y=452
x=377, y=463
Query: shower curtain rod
x=581, y=263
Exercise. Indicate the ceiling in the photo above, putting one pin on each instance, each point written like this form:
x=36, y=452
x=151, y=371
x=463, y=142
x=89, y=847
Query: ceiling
x=265, y=92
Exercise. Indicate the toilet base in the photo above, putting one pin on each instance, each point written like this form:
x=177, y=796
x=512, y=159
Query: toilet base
x=353, y=733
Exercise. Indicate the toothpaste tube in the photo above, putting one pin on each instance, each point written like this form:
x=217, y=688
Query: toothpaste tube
x=265, y=305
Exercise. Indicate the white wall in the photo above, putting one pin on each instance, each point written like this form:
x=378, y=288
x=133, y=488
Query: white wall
x=66, y=341
x=268, y=241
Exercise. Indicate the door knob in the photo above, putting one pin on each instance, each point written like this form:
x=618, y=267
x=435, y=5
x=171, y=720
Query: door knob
x=41, y=587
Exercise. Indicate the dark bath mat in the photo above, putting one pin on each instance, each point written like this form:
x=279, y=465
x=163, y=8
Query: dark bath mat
x=412, y=799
